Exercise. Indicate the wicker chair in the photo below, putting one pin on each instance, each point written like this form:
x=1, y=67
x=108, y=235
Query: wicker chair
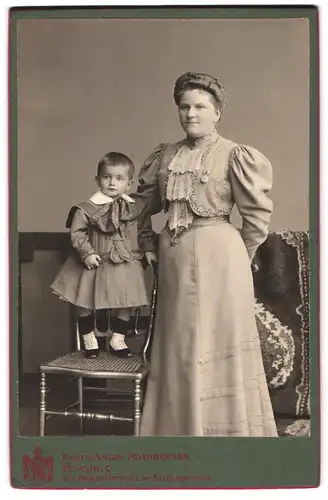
x=106, y=367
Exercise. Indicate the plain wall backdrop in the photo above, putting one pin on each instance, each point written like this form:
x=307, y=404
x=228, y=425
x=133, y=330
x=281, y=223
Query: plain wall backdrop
x=86, y=87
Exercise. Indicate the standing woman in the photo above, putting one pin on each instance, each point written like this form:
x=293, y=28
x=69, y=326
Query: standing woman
x=207, y=376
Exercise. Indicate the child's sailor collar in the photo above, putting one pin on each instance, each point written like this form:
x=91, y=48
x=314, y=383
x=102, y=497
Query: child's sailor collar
x=100, y=198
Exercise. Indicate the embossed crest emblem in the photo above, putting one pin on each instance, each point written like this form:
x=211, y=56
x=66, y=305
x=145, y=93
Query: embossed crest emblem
x=37, y=469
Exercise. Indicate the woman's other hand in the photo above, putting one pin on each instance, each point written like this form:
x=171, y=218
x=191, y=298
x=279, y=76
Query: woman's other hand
x=151, y=258
x=92, y=261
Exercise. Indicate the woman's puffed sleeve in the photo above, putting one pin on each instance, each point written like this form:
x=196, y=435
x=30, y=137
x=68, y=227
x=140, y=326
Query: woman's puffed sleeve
x=251, y=179
x=147, y=238
x=148, y=188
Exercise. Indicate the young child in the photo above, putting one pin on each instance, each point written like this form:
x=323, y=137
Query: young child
x=110, y=233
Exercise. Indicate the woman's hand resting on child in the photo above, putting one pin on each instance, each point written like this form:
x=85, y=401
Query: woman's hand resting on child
x=92, y=261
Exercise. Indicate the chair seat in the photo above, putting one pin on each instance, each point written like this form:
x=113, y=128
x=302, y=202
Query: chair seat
x=104, y=366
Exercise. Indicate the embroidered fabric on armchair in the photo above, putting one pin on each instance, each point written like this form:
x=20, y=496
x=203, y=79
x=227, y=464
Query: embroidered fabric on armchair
x=282, y=314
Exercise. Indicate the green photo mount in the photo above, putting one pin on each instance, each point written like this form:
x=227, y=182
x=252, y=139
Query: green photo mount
x=128, y=462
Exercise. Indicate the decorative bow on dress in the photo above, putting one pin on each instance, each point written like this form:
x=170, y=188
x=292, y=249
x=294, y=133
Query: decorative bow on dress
x=112, y=217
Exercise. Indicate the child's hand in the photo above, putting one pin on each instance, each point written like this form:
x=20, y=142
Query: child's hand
x=151, y=258
x=92, y=261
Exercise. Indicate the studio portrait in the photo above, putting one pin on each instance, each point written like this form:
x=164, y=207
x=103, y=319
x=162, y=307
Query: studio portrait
x=163, y=226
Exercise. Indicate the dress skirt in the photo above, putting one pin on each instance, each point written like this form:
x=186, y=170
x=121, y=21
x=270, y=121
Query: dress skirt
x=207, y=376
x=109, y=286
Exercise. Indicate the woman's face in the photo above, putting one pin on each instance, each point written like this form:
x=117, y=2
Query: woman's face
x=198, y=114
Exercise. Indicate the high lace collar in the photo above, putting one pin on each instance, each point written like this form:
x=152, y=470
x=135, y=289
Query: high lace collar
x=201, y=141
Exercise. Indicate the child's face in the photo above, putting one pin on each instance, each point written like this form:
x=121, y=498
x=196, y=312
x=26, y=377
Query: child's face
x=114, y=180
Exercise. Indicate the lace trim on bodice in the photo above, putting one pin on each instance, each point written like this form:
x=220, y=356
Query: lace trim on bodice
x=183, y=171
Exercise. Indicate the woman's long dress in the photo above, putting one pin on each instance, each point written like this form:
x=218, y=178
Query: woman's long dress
x=207, y=376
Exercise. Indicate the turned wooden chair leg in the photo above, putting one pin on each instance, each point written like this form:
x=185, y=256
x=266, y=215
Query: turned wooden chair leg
x=136, y=412
x=80, y=397
x=42, y=415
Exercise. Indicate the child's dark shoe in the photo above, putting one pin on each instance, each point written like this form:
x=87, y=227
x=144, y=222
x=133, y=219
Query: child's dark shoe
x=91, y=353
x=121, y=353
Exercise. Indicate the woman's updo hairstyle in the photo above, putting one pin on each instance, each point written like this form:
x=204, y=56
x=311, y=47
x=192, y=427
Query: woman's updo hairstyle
x=201, y=81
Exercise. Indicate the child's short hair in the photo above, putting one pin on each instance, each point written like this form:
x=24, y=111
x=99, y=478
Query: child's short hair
x=114, y=159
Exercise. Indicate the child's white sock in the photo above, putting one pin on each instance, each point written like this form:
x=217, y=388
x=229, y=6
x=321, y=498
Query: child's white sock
x=117, y=342
x=90, y=341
